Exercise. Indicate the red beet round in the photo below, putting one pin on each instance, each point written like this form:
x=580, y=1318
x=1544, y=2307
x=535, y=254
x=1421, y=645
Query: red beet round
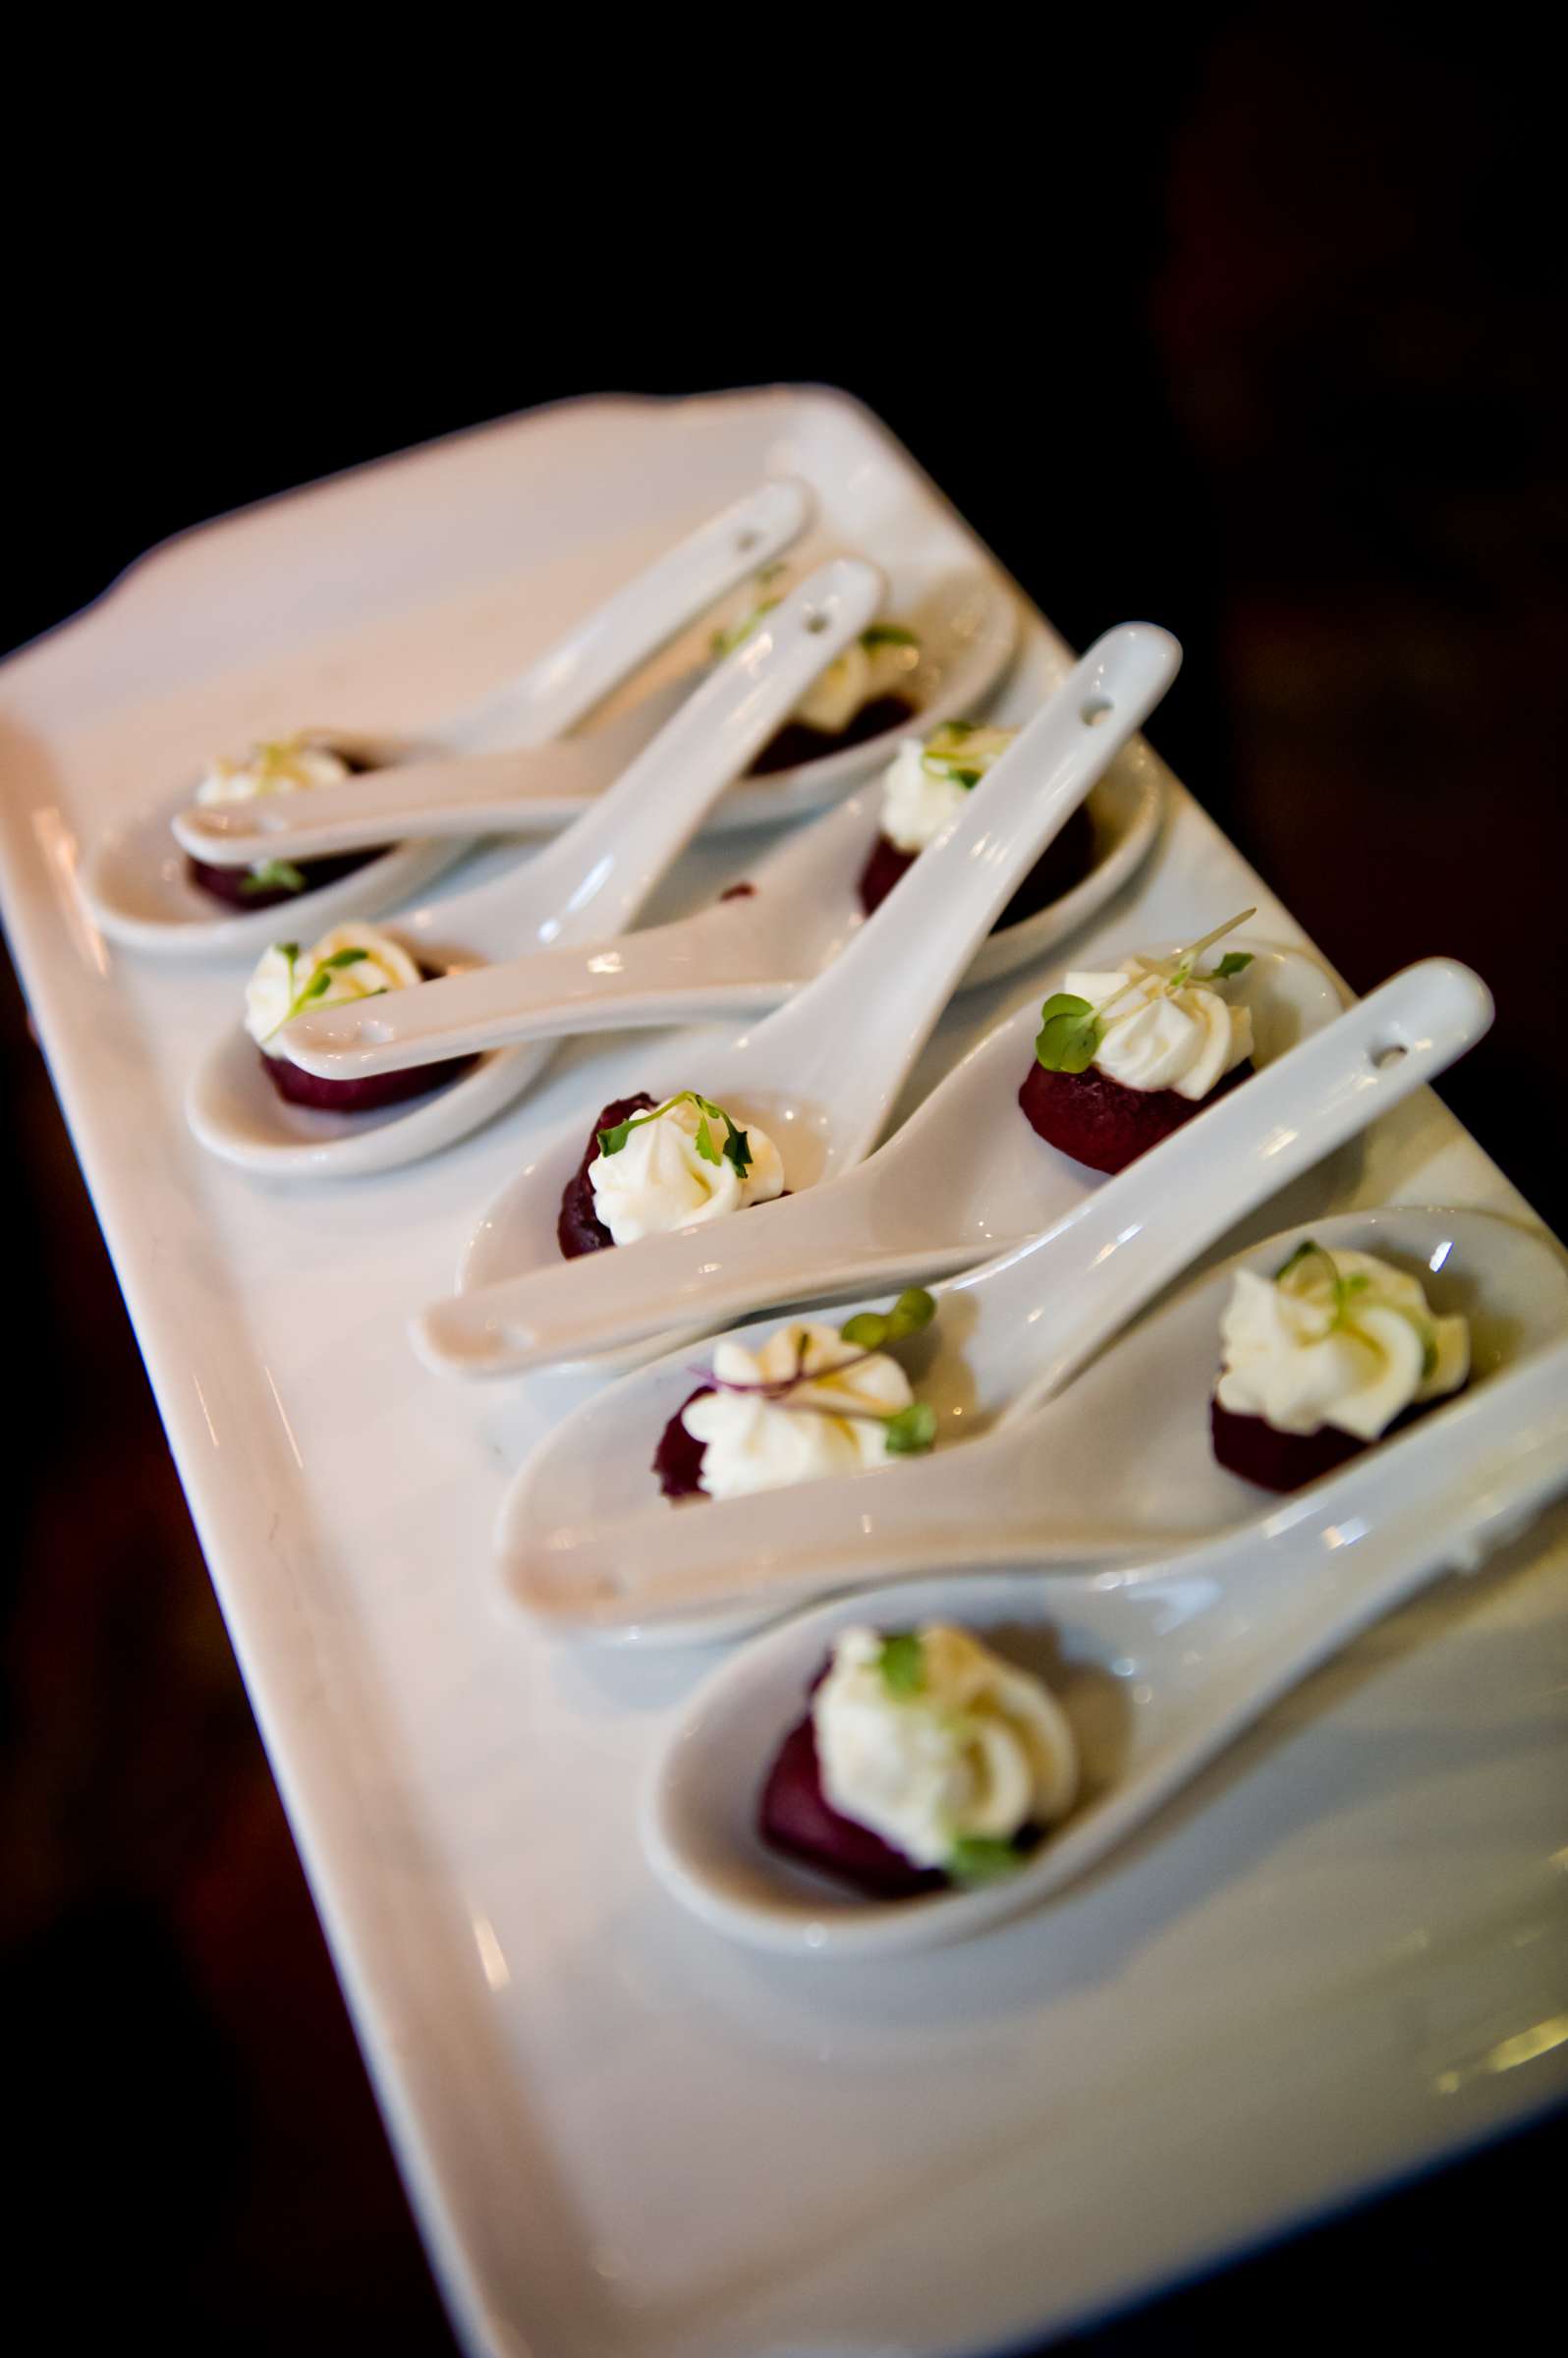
x=678, y=1459
x=797, y=742
x=580, y=1229
x=365, y=1095
x=1288, y=1461
x=228, y=885
x=1064, y=862
x=1101, y=1121
x=796, y=1817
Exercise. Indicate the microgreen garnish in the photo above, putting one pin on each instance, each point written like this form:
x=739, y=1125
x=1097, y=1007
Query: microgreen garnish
x=1069, y=1034
x=961, y=752
x=902, y=1662
x=1071, y=1029
x=874, y=1329
x=1342, y=1290
x=273, y=875
x=888, y=634
x=724, y=641
x=319, y=981
x=736, y=1150
x=981, y=1859
x=911, y=1431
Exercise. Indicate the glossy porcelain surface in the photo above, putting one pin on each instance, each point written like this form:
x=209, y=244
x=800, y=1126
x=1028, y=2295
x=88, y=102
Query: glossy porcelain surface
x=965, y=1177
x=625, y=2138
x=589, y=884
x=822, y=1076
x=1158, y=1665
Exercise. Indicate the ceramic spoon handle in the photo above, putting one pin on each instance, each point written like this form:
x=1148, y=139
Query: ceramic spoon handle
x=473, y=793
x=872, y=1011
x=704, y=967
x=698, y=1276
x=1096, y=1269
x=483, y=791
x=565, y=683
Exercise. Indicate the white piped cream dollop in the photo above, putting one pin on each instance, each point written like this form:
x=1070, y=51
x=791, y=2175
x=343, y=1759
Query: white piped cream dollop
x=1186, y=1039
x=1343, y=1340
x=359, y=963
x=658, y=1181
x=977, y=1751
x=287, y=766
x=832, y=1424
x=927, y=781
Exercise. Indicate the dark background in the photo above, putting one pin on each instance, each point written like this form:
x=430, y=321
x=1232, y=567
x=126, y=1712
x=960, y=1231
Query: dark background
x=1254, y=328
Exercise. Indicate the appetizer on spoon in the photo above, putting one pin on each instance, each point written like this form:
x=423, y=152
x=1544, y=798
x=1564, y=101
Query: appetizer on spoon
x=972, y=1744
x=509, y=793
x=252, y=1105
x=585, y=1539
x=800, y=1098
x=963, y=1177
x=143, y=892
x=775, y=928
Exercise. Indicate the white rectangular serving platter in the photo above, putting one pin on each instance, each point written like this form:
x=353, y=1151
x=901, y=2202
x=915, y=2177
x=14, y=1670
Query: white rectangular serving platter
x=1340, y=1956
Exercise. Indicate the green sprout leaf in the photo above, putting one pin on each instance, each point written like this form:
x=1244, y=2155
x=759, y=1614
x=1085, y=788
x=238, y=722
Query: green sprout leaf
x=1234, y=962
x=902, y=1662
x=888, y=634
x=274, y=875
x=345, y=958
x=874, y=1329
x=981, y=1859
x=737, y=1144
x=911, y=1431
x=1069, y=1034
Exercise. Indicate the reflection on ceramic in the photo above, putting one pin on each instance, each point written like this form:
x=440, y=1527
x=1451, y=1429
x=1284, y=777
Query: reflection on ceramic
x=821, y=1074
x=778, y=924
x=579, y=1549
x=1160, y=1667
x=590, y=883
x=961, y=1180
x=135, y=878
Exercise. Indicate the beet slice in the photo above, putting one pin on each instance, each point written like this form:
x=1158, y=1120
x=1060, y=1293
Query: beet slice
x=228, y=885
x=795, y=1815
x=1102, y=1122
x=797, y=741
x=365, y=1095
x=580, y=1229
x=1065, y=861
x=1255, y=1449
x=678, y=1459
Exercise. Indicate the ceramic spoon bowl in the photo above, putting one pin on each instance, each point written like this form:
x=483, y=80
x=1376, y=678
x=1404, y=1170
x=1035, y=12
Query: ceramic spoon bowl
x=781, y=921
x=821, y=1074
x=1158, y=1666
x=963, y=1178
x=135, y=878
x=591, y=883
x=585, y=1542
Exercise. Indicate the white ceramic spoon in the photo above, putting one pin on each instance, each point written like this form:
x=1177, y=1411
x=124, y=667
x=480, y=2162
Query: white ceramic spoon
x=1160, y=1667
x=134, y=877
x=588, y=884
x=964, y=1177
x=780, y=924
x=538, y=790
x=585, y=1537
x=821, y=1074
